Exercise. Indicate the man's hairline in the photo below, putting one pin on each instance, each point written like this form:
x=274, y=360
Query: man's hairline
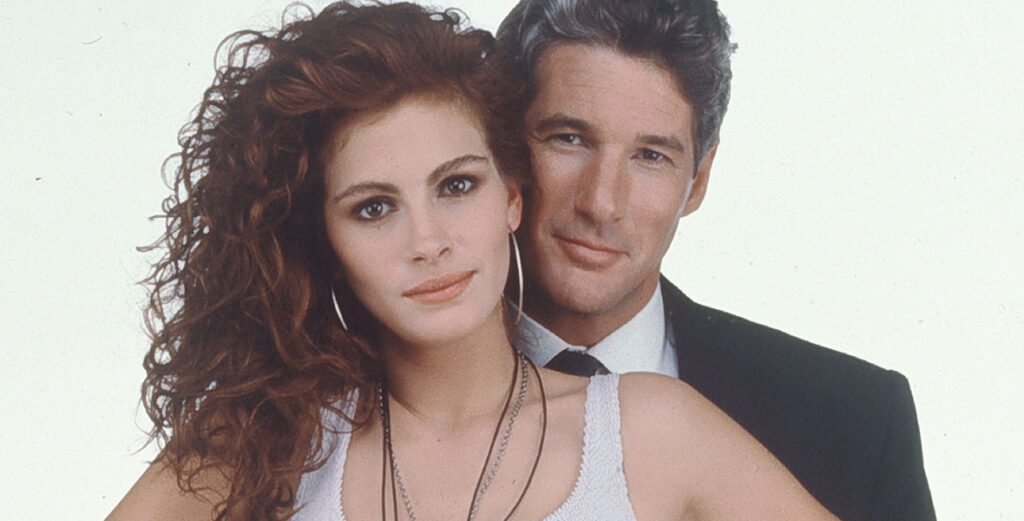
x=532, y=77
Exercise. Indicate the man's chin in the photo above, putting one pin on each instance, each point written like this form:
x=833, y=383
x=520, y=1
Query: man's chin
x=611, y=294
x=589, y=296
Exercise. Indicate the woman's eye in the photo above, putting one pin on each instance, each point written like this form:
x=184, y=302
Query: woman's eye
x=457, y=186
x=373, y=209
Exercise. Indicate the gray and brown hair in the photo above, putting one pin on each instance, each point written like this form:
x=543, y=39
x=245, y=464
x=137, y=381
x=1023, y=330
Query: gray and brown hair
x=688, y=38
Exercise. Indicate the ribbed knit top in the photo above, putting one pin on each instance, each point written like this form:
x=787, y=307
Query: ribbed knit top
x=599, y=493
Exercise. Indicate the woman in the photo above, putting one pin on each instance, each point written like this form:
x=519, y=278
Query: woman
x=330, y=337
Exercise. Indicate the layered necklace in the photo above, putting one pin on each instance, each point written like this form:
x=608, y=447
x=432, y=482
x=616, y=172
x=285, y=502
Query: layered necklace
x=389, y=463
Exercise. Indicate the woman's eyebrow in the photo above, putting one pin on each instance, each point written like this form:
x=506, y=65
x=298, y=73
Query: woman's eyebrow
x=453, y=164
x=435, y=175
x=368, y=186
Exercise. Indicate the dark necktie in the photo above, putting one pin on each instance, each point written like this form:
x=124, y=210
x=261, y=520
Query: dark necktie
x=577, y=363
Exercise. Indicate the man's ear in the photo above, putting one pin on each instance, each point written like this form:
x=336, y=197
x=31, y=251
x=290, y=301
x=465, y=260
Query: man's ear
x=700, y=181
x=515, y=205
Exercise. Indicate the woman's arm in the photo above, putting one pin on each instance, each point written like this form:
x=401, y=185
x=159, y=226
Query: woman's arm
x=686, y=459
x=157, y=497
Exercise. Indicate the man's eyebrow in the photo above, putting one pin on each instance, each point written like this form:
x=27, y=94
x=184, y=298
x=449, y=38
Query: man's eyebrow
x=561, y=121
x=388, y=188
x=453, y=164
x=662, y=141
x=557, y=121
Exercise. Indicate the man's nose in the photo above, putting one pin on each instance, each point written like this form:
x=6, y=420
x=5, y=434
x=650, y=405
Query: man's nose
x=603, y=189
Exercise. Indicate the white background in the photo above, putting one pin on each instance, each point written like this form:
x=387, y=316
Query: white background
x=866, y=196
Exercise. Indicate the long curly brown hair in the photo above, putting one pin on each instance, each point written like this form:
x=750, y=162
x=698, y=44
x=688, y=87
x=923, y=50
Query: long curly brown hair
x=246, y=350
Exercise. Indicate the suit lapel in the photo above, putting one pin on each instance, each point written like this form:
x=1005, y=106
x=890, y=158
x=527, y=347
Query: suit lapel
x=679, y=315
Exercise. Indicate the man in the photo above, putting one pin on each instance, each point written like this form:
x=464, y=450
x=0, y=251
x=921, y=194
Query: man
x=625, y=103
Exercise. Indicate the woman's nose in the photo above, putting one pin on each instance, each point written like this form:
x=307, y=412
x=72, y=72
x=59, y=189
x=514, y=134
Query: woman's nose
x=429, y=237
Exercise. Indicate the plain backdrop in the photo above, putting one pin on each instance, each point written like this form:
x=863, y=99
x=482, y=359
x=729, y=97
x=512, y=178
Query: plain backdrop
x=866, y=196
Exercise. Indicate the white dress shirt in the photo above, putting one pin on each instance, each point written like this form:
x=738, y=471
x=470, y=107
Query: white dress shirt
x=642, y=344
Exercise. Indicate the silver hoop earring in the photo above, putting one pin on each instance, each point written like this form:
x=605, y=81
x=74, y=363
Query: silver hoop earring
x=519, y=272
x=337, y=310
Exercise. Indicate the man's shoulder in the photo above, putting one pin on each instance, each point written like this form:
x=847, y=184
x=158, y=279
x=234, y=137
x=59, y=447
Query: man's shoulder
x=780, y=387
x=711, y=339
x=841, y=425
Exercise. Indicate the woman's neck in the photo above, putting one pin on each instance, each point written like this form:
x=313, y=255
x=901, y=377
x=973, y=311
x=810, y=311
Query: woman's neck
x=454, y=382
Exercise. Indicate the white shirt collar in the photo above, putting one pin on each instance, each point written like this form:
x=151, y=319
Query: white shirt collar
x=641, y=344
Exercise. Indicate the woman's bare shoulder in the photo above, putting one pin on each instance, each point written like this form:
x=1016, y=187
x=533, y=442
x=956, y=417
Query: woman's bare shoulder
x=156, y=496
x=683, y=455
x=662, y=403
x=656, y=414
x=666, y=415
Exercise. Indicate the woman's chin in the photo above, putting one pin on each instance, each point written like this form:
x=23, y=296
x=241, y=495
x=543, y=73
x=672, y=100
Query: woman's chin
x=447, y=327
x=437, y=332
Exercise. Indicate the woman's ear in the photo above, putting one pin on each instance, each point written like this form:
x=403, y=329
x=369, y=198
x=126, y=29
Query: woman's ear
x=515, y=204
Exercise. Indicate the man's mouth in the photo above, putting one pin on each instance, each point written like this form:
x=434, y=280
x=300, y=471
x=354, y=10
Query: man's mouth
x=588, y=253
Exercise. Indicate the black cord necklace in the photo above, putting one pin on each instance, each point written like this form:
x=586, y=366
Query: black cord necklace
x=540, y=446
x=389, y=465
x=519, y=360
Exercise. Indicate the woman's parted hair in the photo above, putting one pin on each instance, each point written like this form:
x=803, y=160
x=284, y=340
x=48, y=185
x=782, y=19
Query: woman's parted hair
x=246, y=350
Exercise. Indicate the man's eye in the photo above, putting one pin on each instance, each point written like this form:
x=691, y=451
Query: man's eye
x=568, y=139
x=459, y=185
x=373, y=209
x=650, y=155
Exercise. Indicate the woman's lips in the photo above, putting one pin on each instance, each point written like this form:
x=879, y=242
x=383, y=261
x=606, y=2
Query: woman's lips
x=440, y=289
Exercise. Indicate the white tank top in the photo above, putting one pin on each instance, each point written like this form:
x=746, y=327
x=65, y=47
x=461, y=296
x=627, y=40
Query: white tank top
x=600, y=489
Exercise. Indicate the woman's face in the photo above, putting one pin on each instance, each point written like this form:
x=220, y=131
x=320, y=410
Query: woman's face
x=419, y=218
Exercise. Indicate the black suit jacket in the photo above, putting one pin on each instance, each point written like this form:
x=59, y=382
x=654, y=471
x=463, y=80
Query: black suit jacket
x=845, y=428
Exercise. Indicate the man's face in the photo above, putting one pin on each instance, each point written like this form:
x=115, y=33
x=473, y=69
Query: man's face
x=611, y=140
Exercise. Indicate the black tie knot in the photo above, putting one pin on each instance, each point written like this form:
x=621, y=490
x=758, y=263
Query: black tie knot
x=577, y=363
